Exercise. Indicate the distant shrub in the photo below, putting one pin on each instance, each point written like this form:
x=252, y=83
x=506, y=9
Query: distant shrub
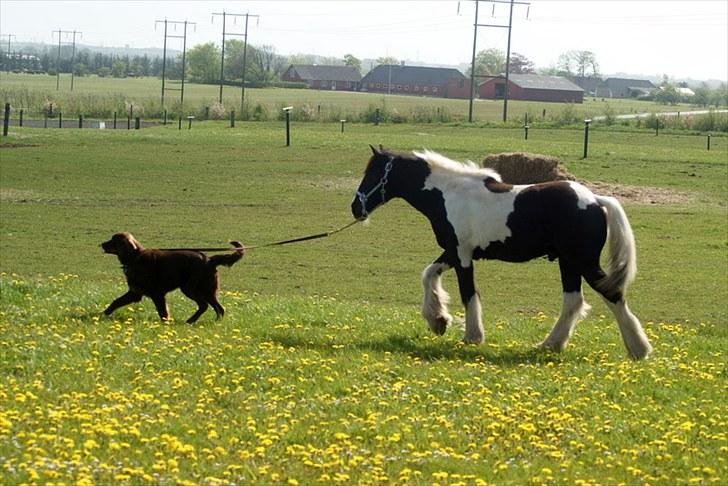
x=218, y=111
x=567, y=116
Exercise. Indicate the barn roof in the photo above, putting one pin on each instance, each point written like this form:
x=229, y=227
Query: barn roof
x=621, y=83
x=397, y=74
x=533, y=81
x=310, y=72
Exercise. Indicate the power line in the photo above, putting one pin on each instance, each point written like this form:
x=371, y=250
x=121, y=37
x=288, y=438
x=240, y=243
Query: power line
x=244, y=35
x=174, y=23
x=73, y=54
x=476, y=24
x=7, y=54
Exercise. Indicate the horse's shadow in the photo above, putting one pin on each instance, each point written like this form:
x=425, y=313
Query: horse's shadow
x=433, y=350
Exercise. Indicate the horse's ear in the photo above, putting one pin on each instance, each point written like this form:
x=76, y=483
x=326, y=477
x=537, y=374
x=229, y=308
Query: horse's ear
x=381, y=149
x=374, y=150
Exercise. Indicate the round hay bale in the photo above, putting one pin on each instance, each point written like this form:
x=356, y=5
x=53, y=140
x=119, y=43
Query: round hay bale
x=526, y=168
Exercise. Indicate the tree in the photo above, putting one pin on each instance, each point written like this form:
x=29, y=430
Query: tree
x=490, y=62
x=387, y=60
x=350, y=60
x=234, y=59
x=203, y=62
x=667, y=95
x=579, y=63
x=520, y=64
x=118, y=69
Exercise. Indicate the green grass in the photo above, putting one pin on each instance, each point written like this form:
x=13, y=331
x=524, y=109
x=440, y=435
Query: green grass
x=102, y=96
x=322, y=369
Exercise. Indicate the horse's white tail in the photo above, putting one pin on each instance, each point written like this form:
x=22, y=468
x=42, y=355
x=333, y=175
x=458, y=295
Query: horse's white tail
x=622, y=264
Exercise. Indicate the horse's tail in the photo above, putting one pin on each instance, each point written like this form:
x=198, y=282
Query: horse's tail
x=622, y=264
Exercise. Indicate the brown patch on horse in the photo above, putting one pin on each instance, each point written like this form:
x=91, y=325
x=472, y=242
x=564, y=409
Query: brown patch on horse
x=496, y=186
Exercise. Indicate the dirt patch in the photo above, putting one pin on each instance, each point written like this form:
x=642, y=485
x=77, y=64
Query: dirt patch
x=17, y=145
x=640, y=194
x=527, y=168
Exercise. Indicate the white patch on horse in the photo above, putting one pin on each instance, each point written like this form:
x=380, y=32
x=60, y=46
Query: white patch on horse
x=474, y=333
x=477, y=215
x=585, y=196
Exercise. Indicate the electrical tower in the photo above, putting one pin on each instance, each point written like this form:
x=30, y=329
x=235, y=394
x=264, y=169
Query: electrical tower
x=245, y=50
x=73, y=54
x=7, y=54
x=508, y=52
x=174, y=24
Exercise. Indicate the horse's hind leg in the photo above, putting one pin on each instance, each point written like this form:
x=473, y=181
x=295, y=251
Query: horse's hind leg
x=634, y=337
x=434, y=304
x=573, y=308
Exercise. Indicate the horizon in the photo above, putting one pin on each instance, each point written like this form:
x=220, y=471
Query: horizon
x=640, y=41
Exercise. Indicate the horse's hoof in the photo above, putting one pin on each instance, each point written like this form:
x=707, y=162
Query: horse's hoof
x=473, y=339
x=439, y=325
x=552, y=346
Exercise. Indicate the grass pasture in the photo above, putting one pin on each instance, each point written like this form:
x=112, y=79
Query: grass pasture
x=100, y=97
x=322, y=370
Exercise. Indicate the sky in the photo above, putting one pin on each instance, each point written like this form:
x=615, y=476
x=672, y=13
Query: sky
x=683, y=39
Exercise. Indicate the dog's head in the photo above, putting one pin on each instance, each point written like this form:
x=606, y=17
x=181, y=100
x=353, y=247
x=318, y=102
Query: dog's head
x=122, y=244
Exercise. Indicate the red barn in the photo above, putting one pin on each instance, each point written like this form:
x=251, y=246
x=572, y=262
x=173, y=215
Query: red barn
x=417, y=80
x=531, y=87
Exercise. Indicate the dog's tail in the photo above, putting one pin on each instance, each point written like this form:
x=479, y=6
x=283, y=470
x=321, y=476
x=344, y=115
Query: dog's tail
x=229, y=259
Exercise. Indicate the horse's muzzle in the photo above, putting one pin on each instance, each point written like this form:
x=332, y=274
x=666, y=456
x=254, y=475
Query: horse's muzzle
x=358, y=210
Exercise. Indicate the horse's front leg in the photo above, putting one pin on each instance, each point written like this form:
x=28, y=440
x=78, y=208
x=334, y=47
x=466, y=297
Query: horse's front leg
x=471, y=300
x=434, y=304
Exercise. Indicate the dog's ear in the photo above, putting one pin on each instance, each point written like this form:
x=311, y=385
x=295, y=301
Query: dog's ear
x=374, y=150
x=127, y=242
x=135, y=245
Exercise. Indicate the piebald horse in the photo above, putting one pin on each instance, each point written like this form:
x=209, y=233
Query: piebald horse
x=475, y=215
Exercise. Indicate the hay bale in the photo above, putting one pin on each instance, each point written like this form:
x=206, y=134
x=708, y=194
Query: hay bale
x=526, y=168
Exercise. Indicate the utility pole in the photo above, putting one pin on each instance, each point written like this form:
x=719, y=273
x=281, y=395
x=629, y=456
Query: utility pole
x=508, y=53
x=73, y=55
x=7, y=54
x=174, y=23
x=58, y=57
x=245, y=48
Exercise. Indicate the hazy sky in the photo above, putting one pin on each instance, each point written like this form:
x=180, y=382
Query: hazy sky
x=687, y=38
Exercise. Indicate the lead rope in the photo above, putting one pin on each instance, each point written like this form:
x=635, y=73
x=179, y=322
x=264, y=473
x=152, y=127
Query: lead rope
x=274, y=243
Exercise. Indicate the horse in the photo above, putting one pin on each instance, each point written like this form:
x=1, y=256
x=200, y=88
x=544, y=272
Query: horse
x=475, y=215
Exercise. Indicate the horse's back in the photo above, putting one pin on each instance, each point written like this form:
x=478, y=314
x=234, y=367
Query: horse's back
x=554, y=219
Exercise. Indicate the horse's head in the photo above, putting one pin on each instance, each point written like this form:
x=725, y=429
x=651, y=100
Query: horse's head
x=372, y=191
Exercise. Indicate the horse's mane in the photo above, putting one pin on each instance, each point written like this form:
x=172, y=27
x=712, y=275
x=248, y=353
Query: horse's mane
x=441, y=163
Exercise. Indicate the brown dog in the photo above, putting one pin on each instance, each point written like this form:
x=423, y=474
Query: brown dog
x=154, y=273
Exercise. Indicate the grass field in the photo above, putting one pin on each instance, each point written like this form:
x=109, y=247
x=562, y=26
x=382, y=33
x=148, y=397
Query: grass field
x=94, y=96
x=322, y=370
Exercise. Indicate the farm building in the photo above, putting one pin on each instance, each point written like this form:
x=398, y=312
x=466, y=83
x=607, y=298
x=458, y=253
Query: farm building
x=417, y=80
x=335, y=78
x=624, y=88
x=531, y=87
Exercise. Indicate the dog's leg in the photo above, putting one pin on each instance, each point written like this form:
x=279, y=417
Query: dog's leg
x=194, y=294
x=161, y=304
x=219, y=310
x=126, y=299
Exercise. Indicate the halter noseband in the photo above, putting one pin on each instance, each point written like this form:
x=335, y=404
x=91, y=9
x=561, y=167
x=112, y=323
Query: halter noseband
x=379, y=186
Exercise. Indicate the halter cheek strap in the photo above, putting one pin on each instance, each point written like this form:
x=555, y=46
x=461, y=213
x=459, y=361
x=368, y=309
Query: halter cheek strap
x=380, y=186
